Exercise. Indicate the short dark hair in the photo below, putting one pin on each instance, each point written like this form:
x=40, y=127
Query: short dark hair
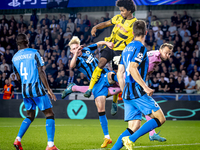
x=139, y=28
x=21, y=39
x=127, y=4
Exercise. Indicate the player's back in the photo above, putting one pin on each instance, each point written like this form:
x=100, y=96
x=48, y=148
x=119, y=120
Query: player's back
x=26, y=63
x=134, y=52
x=87, y=62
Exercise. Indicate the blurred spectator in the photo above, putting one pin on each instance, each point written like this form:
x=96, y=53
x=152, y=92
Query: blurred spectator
x=190, y=86
x=62, y=80
x=14, y=82
x=87, y=21
x=185, y=17
x=172, y=29
x=2, y=66
x=63, y=58
x=182, y=32
x=171, y=83
x=2, y=50
x=34, y=18
x=198, y=85
x=179, y=85
x=87, y=35
x=8, y=90
x=63, y=23
x=155, y=84
x=78, y=32
x=174, y=18
x=71, y=25
x=7, y=72
x=165, y=28
x=78, y=20
x=53, y=70
x=53, y=25
x=46, y=19
x=65, y=36
x=52, y=83
x=163, y=86
x=71, y=78
x=149, y=16
x=154, y=20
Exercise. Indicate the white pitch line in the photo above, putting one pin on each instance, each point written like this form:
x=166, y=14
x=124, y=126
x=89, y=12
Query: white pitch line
x=153, y=146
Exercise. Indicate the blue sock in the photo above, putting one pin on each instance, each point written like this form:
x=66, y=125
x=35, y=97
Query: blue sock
x=148, y=126
x=50, y=128
x=118, y=145
x=104, y=123
x=24, y=126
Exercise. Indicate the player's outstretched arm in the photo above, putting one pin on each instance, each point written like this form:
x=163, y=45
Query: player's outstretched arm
x=133, y=69
x=100, y=26
x=109, y=44
x=43, y=78
x=120, y=76
x=73, y=61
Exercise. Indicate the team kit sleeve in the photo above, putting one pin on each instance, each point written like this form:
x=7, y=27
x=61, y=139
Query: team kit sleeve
x=114, y=19
x=92, y=47
x=39, y=59
x=139, y=55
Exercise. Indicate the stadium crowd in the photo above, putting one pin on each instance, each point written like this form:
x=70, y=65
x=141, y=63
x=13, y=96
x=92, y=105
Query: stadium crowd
x=51, y=37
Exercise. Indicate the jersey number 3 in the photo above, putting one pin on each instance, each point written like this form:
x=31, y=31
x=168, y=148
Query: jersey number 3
x=25, y=74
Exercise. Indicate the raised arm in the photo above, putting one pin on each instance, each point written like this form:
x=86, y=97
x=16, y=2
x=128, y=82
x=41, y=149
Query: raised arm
x=120, y=76
x=109, y=44
x=100, y=26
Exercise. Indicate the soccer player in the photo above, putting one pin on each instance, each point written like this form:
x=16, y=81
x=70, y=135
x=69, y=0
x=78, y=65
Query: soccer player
x=28, y=67
x=136, y=94
x=84, y=61
x=121, y=36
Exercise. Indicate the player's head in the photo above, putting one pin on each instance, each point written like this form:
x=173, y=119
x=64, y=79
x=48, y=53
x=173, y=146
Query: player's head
x=139, y=29
x=74, y=44
x=165, y=51
x=126, y=7
x=22, y=40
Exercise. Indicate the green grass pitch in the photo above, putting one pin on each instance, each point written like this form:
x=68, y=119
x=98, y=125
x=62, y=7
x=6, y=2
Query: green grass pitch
x=87, y=135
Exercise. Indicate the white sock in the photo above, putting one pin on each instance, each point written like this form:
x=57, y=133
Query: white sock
x=50, y=144
x=107, y=136
x=18, y=138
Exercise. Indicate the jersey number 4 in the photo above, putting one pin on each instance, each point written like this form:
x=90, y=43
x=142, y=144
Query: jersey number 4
x=25, y=74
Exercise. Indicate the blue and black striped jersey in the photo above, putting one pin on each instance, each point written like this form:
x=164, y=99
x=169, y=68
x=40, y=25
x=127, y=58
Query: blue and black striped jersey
x=26, y=63
x=87, y=63
x=134, y=52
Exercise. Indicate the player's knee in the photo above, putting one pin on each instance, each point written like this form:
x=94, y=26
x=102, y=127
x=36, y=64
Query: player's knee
x=50, y=117
x=48, y=112
x=160, y=121
x=102, y=113
x=102, y=63
x=31, y=118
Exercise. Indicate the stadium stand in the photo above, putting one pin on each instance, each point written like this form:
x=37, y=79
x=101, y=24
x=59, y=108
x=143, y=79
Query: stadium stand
x=50, y=34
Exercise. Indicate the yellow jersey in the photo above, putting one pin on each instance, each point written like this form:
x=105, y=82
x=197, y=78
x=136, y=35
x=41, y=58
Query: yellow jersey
x=122, y=33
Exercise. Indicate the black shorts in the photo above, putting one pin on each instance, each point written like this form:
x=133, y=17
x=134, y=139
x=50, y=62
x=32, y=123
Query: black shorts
x=108, y=54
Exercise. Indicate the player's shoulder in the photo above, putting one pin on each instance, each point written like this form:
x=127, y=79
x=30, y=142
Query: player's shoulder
x=117, y=17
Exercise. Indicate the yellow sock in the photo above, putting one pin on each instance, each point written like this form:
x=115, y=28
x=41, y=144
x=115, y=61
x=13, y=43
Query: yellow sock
x=95, y=77
x=115, y=98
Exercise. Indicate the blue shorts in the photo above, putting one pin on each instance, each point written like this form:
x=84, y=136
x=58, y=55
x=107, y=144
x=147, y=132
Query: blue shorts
x=101, y=87
x=43, y=102
x=136, y=107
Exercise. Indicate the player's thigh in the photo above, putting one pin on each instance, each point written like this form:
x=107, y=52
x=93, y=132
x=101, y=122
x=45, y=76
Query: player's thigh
x=48, y=112
x=29, y=104
x=146, y=104
x=31, y=113
x=134, y=125
x=159, y=115
x=43, y=102
x=100, y=102
x=106, y=56
x=130, y=111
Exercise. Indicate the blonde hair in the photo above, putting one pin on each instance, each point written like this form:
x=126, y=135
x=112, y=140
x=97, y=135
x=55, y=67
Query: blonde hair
x=170, y=46
x=74, y=40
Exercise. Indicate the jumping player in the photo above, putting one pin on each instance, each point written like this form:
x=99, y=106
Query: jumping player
x=84, y=61
x=28, y=67
x=121, y=36
x=136, y=94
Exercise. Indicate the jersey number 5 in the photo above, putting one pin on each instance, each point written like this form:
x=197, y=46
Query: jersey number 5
x=25, y=74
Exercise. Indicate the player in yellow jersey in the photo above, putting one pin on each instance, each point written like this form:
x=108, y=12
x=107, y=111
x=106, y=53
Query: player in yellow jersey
x=121, y=36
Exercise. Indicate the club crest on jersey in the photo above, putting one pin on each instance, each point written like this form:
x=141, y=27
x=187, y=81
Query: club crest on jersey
x=139, y=57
